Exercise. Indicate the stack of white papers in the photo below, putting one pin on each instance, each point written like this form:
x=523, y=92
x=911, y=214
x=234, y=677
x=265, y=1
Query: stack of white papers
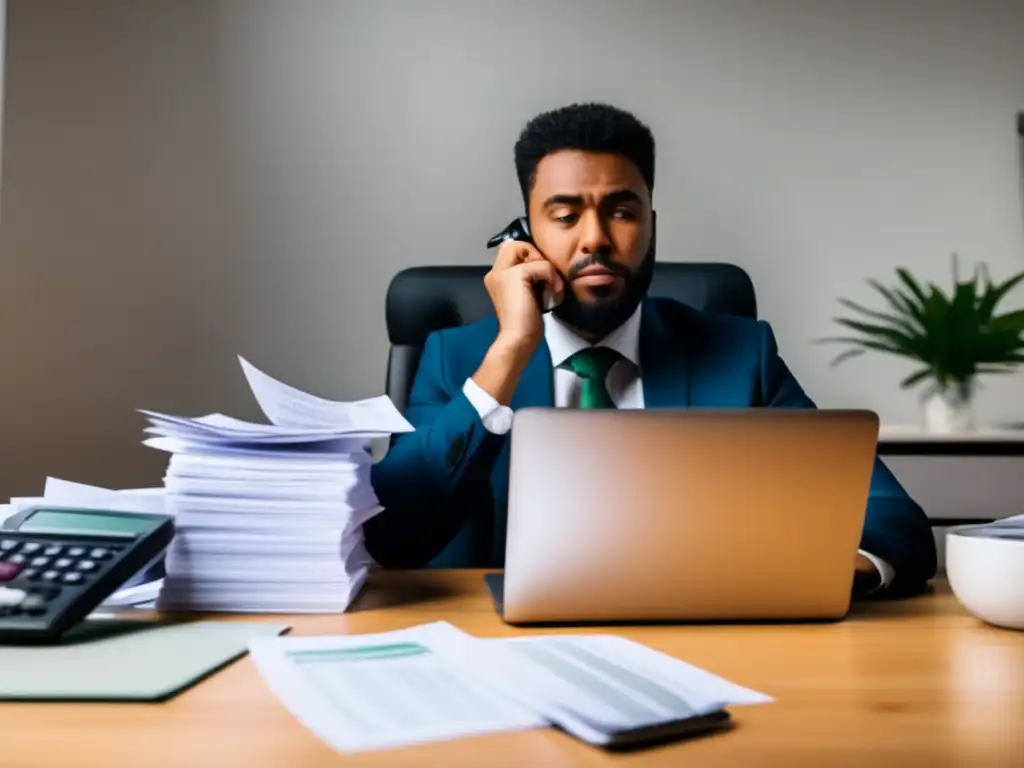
x=433, y=681
x=268, y=516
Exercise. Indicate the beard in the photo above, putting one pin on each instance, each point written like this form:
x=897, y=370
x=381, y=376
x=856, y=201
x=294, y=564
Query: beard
x=601, y=315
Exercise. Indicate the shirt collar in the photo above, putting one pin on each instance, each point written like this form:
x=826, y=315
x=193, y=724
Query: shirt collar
x=564, y=343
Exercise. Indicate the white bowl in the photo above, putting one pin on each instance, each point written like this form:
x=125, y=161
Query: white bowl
x=985, y=568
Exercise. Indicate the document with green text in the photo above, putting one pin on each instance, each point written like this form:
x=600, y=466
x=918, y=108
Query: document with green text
x=434, y=681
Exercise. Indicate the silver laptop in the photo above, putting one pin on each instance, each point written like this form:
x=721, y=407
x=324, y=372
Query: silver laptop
x=684, y=515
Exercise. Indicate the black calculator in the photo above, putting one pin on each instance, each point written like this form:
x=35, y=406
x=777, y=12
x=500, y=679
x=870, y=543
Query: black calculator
x=58, y=563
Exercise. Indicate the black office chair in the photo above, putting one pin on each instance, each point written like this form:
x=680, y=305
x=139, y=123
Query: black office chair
x=425, y=299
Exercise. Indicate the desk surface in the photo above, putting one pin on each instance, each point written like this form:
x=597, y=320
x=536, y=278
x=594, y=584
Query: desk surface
x=915, y=682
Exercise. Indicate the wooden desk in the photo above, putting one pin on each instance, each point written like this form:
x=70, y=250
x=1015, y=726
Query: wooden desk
x=911, y=683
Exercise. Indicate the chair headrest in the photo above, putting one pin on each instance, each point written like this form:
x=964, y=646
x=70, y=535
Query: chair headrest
x=425, y=299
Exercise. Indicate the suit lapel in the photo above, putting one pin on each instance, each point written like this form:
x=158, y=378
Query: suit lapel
x=663, y=361
x=663, y=365
x=537, y=384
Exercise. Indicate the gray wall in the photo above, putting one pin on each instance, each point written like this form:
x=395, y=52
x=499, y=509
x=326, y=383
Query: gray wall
x=189, y=180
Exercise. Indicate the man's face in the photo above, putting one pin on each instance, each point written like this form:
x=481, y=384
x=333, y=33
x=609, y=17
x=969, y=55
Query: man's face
x=590, y=216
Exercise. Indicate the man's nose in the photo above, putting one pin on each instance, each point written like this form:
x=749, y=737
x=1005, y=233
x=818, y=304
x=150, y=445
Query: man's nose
x=593, y=236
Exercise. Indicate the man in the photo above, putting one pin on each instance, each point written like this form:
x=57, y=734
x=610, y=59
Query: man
x=587, y=174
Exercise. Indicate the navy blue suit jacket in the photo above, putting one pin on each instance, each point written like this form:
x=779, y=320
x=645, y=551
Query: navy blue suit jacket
x=445, y=485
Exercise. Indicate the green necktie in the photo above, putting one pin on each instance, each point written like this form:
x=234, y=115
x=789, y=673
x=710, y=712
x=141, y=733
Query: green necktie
x=592, y=365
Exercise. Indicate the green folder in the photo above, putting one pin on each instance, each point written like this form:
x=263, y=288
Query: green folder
x=125, y=660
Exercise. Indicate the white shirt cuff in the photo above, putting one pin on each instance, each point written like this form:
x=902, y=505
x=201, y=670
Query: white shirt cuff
x=496, y=418
x=885, y=571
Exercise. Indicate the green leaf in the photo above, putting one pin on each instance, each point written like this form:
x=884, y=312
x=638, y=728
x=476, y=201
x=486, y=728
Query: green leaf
x=897, y=299
x=962, y=325
x=954, y=335
x=1011, y=321
x=900, y=342
x=916, y=378
x=855, y=352
x=880, y=331
x=937, y=295
x=899, y=322
x=845, y=340
x=911, y=283
x=988, y=303
x=998, y=369
x=873, y=345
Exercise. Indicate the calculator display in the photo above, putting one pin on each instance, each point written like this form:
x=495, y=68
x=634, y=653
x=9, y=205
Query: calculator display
x=62, y=521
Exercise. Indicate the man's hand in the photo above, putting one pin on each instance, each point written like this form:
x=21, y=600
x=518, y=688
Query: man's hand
x=512, y=285
x=511, y=282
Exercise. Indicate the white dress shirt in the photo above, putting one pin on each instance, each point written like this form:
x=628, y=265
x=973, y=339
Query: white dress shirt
x=624, y=383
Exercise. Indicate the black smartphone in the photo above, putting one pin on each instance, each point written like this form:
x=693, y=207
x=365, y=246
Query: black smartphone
x=519, y=230
x=665, y=733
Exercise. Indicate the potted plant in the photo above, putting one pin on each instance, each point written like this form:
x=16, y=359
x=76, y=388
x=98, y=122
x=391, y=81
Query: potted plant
x=954, y=338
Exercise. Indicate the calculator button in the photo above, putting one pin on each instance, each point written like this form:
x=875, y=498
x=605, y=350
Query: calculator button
x=76, y=551
x=99, y=553
x=63, y=562
x=9, y=597
x=86, y=565
x=8, y=545
x=40, y=562
x=30, y=547
x=30, y=573
x=50, y=576
x=34, y=600
x=72, y=577
x=17, y=559
x=46, y=594
x=53, y=550
x=8, y=571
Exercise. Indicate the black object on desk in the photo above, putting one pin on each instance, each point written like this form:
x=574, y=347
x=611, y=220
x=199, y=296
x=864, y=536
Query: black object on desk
x=58, y=563
x=970, y=448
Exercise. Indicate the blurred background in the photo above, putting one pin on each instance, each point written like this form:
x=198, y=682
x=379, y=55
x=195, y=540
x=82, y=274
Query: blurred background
x=188, y=181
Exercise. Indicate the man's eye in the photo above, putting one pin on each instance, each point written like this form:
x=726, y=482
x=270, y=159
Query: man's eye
x=568, y=218
x=623, y=213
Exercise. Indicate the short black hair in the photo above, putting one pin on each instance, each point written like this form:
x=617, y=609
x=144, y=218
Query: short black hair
x=588, y=127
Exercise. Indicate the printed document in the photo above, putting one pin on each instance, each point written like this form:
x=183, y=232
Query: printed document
x=434, y=682
x=67, y=493
x=292, y=408
x=594, y=686
x=390, y=689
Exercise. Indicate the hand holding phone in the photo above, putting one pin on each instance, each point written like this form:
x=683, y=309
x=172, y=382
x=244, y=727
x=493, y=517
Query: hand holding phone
x=522, y=284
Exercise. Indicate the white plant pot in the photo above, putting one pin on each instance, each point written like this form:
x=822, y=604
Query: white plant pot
x=948, y=412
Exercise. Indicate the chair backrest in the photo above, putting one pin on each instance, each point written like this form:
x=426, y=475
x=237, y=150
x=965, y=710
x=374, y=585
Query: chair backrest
x=425, y=299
